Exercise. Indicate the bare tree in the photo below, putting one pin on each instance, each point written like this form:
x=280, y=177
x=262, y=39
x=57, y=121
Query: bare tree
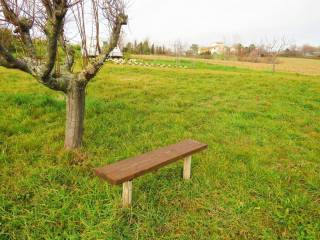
x=49, y=19
x=194, y=48
x=178, y=50
x=273, y=49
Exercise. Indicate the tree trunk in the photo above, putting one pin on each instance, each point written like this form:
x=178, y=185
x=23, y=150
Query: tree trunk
x=274, y=67
x=274, y=62
x=75, y=116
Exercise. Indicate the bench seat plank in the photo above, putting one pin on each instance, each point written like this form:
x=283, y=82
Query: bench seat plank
x=131, y=168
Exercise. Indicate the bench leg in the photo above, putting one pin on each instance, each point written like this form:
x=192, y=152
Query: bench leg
x=127, y=194
x=187, y=168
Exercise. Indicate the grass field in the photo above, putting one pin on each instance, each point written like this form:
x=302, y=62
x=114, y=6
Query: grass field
x=259, y=179
x=293, y=65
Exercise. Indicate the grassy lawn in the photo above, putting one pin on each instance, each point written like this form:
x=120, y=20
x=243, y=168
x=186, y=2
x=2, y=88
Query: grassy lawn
x=259, y=179
x=293, y=65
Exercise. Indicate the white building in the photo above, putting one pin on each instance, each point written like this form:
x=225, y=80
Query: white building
x=215, y=48
x=93, y=51
x=116, y=53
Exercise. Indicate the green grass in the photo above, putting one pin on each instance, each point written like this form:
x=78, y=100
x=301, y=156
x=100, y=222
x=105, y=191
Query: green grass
x=259, y=179
x=193, y=64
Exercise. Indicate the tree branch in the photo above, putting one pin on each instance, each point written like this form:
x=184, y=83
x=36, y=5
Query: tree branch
x=54, y=30
x=23, y=26
x=10, y=61
x=48, y=6
x=69, y=51
x=92, y=69
x=56, y=83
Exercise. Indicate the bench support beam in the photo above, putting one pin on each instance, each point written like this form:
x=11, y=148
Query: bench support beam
x=187, y=168
x=127, y=194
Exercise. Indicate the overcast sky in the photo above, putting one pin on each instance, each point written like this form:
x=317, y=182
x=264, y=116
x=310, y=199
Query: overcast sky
x=207, y=21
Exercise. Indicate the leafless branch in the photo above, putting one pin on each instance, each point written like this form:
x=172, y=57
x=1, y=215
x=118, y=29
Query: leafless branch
x=46, y=19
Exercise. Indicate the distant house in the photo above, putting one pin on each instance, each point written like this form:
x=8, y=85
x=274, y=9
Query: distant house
x=204, y=50
x=116, y=53
x=93, y=51
x=215, y=48
x=312, y=54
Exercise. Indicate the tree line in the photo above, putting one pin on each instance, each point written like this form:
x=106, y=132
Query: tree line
x=145, y=47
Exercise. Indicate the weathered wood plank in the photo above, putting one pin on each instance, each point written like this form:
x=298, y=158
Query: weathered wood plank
x=127, y=194
x=126, y=170
x=187, y=168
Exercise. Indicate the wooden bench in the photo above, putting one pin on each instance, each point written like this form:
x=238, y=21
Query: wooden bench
x=123, y=172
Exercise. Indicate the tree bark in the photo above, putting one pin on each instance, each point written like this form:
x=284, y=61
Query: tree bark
x=273, y=64
x=274, y=67
x=75, y=116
